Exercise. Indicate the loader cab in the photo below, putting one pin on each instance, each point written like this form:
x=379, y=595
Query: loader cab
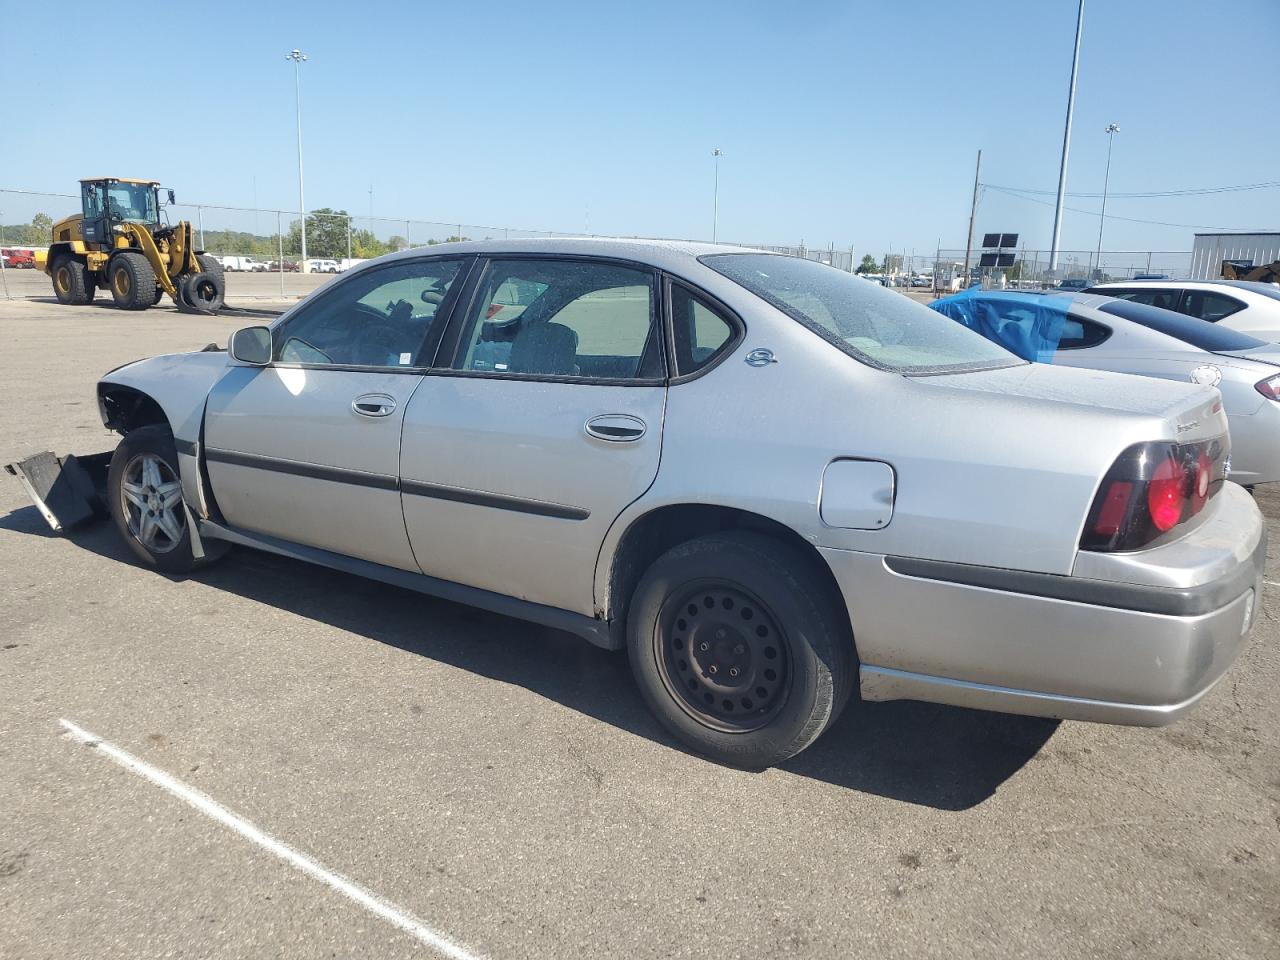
x=107, y=202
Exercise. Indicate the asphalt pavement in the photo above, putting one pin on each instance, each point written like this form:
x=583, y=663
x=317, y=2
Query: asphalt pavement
x=502, y=786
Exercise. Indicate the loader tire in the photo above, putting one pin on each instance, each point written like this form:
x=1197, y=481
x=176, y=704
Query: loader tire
x=70, y=281
x=132, y=281
x=203, y=292
x=159, y=295
x=211, y=266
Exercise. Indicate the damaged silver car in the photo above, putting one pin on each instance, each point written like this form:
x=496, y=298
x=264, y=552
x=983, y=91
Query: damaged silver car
x=773, y=484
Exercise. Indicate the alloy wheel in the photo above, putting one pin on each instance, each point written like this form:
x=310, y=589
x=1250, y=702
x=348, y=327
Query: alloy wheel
x=151, y=500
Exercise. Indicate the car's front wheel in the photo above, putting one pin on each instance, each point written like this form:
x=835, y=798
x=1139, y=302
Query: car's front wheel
x=739, y=649
x=144, y=493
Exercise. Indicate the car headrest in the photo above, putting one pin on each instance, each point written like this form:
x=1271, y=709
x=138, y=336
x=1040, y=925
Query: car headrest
x=545, y=348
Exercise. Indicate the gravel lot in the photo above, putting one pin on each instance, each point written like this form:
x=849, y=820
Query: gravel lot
x=503, y=783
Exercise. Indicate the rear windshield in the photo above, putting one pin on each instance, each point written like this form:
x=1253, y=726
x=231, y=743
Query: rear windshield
x=1192, y=330
x=869, y=322
x=1266, y=289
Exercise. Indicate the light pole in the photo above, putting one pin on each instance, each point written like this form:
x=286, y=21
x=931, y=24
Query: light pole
x=298, y=58
x=715, y=214
x=1111, y=131
x=1066, y=144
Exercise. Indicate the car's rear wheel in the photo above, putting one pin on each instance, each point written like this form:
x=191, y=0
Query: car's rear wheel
x=739, y=648
x=144, y=493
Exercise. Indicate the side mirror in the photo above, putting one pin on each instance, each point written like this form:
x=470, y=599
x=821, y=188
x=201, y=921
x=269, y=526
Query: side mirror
x=252, y=345
x=171, y=200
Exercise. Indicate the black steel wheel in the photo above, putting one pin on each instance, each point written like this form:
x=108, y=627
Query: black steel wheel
x=741, y=647
x=723, y=655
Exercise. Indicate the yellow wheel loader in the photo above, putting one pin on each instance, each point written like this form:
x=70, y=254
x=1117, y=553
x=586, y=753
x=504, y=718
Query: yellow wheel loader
x=118, y=243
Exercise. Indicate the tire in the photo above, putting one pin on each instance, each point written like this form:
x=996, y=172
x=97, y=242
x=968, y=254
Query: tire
x=204, y=292
x=90, y=286
x=132, y=281
x=159, y=295
x=70, y=281
x=771, y=619
x=132, y=491
x=212, y=267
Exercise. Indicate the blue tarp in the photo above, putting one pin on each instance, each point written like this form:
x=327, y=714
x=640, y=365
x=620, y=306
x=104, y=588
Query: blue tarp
x=1027, y=324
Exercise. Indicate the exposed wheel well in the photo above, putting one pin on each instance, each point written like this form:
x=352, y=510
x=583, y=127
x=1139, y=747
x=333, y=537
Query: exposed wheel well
x=658, y=531
x=124, y=408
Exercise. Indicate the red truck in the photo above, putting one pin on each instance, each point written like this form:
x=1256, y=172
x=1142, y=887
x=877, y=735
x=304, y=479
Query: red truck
x=18, y=257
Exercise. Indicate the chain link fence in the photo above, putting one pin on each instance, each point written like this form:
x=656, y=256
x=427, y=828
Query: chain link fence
x=1029, y=269
x=265, y=240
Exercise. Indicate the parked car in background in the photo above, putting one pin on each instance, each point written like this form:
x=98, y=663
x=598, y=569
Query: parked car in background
x=1244, y=305
x=282, y=266
x=1103, y=333
x=18, y=258
x=1073, y=283
x=771, y=482
x=348, y=262
x=239, y=264
x=322, y=266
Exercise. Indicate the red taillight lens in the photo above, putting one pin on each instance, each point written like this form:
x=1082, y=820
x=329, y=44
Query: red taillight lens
x=1115, y=506
x=1269, y=388
x=1167, y=494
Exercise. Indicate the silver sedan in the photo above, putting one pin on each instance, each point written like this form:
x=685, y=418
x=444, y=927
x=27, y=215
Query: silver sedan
x=774, y=484
x=1105, y=333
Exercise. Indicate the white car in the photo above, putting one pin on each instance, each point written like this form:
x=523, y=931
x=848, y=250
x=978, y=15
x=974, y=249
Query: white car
x=322, y=266
x=1244, y=305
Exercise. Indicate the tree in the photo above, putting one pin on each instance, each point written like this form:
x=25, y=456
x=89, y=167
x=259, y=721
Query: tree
x=41, y=227
x=868, y=264
x=326, y=234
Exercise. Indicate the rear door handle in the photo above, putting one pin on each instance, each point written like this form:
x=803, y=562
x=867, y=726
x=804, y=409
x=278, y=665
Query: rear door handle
x=373, y=405
x=616, y=427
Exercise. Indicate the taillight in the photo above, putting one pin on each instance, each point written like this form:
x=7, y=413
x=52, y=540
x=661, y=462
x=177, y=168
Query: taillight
x=1269, y=388
x=1167, y=494
x=1151, y=488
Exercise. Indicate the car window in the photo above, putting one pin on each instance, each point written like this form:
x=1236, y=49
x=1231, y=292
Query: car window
x=1079, y=334
x=1181, y=327
x=875, y=325
x=372, y=318
x=1208, y=305
x=700, y=330
x=1164, y=299
x=563, y=318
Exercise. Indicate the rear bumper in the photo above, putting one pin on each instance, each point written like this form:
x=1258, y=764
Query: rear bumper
x=1130, y=653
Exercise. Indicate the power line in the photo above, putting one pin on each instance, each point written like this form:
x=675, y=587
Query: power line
x=1190, y=192
x=1094, y=213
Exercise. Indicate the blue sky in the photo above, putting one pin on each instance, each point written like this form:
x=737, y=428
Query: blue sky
x=852, y=123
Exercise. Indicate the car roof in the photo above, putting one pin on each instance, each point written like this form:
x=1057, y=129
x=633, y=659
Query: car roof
x=1243, y=284
x=659, y=253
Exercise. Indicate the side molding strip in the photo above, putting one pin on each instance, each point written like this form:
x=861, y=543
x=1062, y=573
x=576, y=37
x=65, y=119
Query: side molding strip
x=499, y=501
x=416, y=488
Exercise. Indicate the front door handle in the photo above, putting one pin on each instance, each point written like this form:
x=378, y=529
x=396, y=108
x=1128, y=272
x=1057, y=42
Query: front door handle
x=616, y=427
x=373, y=405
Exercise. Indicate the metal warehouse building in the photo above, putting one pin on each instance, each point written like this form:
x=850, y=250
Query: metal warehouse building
x=1210, y=249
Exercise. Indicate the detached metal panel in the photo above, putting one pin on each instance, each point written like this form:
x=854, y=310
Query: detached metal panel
x=1210, y=249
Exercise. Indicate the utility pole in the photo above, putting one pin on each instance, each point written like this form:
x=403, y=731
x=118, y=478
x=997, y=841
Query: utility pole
x=1066, y=145
x=1111, y=131
x=298, y=58
x=715, y=214
x=973, y=210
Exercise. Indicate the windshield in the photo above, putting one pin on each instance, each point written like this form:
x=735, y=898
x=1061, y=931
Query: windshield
x=875, y=325
x=1192, y=330
x=132, y=202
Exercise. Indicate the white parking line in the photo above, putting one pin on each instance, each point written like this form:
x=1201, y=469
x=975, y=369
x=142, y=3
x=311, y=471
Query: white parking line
x=388, y=911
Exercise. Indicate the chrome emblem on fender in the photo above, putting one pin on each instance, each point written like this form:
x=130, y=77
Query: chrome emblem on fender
x=760, y=357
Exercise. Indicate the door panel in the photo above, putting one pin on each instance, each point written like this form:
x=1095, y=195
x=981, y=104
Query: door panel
x=309, y=455
x=553, y=488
